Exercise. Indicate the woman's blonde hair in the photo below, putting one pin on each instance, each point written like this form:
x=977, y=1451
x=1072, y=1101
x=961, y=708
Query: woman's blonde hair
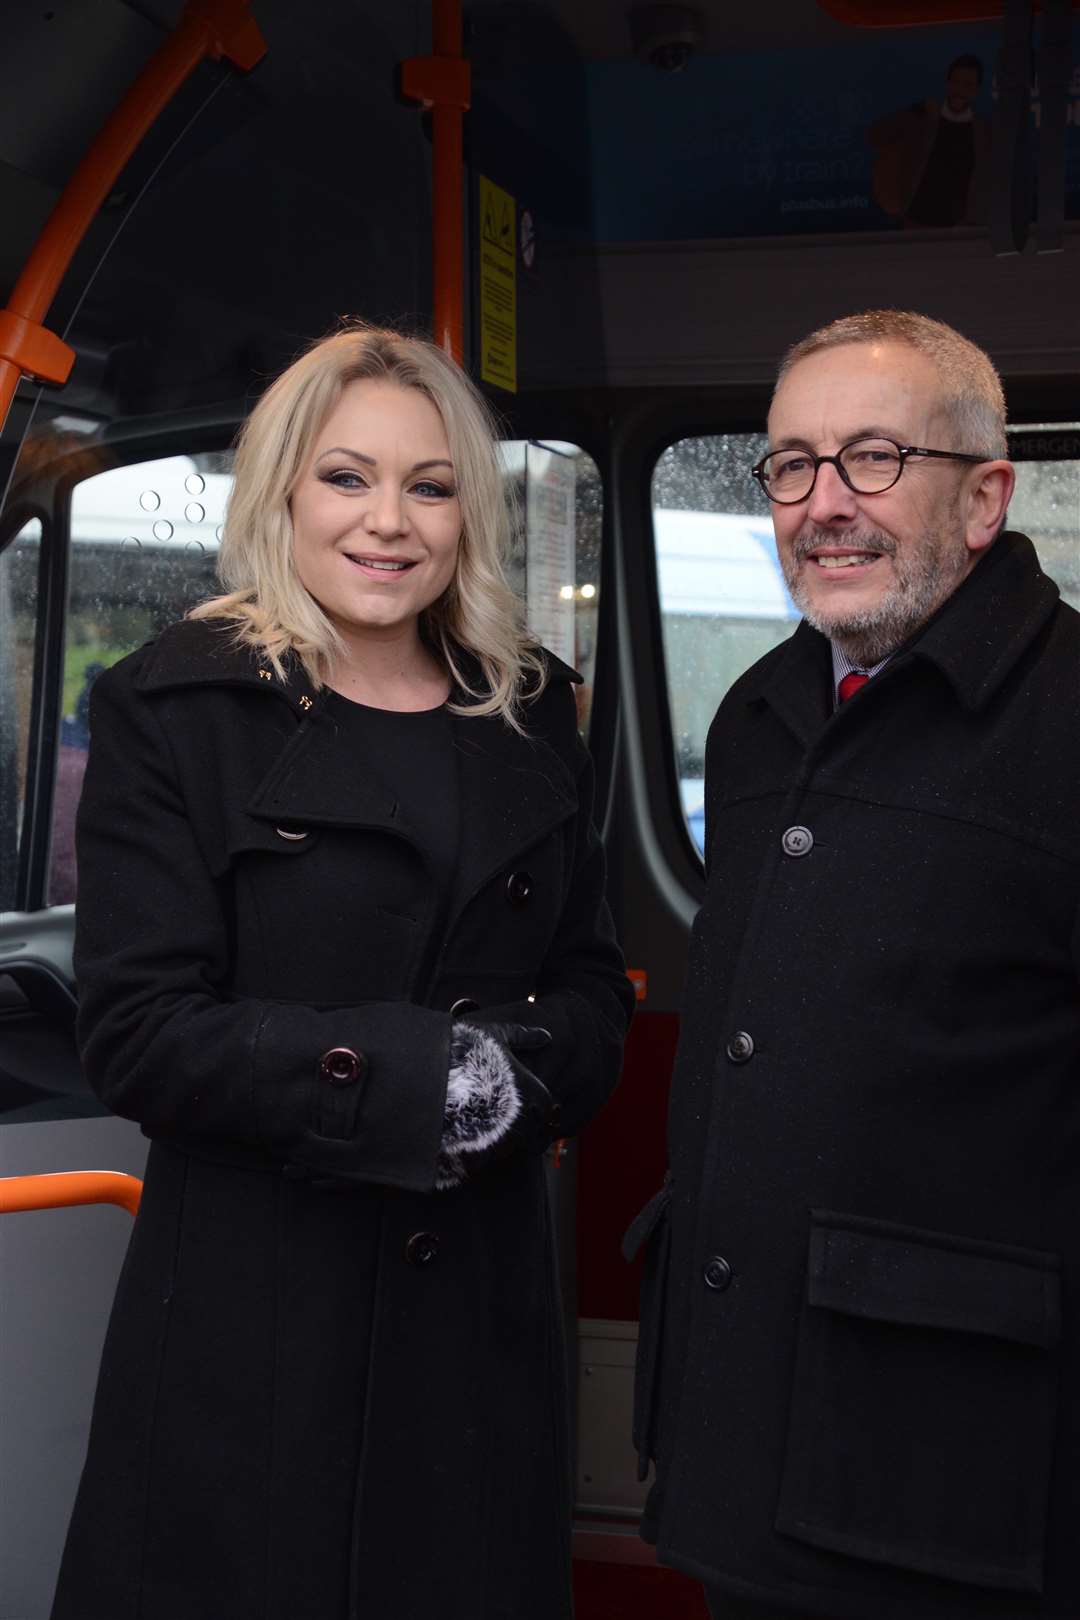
x=478, y=613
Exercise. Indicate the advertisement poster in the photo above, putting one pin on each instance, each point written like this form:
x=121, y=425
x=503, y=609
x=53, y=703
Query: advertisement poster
x=550, y=547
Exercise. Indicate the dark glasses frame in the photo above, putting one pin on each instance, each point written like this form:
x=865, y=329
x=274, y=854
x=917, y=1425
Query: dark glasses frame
x=902, y=450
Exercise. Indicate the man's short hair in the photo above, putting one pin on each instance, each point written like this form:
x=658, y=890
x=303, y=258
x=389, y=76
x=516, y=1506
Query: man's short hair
x=972, y=63
x=973, y=400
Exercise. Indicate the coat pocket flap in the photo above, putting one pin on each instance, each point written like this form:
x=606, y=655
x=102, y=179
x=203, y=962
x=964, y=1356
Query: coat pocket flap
x=891, y=1273
x=646, y=1220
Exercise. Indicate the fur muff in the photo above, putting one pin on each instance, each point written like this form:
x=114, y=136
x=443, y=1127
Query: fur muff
x=482, y=1101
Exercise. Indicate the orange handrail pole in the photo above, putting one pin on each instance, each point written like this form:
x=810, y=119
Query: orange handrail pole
x=66, y=1188
x=441, y=82
x=207, y=28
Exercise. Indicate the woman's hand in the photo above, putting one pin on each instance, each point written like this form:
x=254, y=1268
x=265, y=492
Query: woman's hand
x=495, y=1106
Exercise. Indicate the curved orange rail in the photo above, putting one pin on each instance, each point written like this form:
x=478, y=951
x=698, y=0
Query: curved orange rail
x=66, y=1188
x=207, y=28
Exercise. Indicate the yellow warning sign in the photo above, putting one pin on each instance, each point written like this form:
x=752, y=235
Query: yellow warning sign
x=498, y=287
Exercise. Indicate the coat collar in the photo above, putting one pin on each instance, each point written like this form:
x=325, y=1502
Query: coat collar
x=514, y=788
x=205, y=652
x=974, y=639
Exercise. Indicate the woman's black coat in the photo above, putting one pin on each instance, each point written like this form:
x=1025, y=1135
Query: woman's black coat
x=868, y=1398
x=327, y=1391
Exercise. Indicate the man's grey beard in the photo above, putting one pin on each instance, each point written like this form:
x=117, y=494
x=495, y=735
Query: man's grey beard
x=926, y=573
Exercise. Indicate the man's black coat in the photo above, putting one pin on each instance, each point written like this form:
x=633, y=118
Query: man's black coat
x=860, y=1355
x=327, y=1390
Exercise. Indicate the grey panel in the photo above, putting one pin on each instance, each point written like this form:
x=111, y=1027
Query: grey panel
x=58, y=1271
x=723, y=312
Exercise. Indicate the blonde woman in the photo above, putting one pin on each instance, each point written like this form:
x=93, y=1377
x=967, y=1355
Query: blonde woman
x=344, y=953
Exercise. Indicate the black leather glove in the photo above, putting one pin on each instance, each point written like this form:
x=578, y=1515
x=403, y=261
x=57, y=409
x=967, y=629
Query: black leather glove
x=495, y=1106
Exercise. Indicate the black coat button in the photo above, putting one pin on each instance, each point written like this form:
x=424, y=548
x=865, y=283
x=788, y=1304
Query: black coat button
x=519, y=886
x=797, y=841
x=717, y=1273
x=422, y=1248
x=554, y=1116
x=341, y=1066
x=740, y=1048
x=462, y=1006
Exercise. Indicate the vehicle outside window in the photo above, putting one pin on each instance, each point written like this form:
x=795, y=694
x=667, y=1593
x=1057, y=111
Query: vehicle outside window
x=144, y=543
x=723, y=601
x=19, y=568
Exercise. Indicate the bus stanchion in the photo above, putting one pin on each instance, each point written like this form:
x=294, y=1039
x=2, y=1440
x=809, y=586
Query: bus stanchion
x=441, y=84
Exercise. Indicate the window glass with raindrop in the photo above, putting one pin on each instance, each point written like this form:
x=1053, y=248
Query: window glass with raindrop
x=144, y=546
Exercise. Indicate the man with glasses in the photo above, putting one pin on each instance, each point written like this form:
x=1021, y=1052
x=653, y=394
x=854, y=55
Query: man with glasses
x=859, y=1373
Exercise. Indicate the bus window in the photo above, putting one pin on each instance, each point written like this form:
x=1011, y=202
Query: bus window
x=19, y=566
x=1046, y=504
x=144, y=542
x=723, y=601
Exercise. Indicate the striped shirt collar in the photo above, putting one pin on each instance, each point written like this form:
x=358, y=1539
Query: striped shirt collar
x=842, y=665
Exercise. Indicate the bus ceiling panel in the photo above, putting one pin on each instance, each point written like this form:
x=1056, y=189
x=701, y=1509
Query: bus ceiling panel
x=65, y=68
x=723, y=312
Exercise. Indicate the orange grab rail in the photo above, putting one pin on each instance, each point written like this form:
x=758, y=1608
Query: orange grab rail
x=207, y=28
x=65, y=1188
x=441, y=82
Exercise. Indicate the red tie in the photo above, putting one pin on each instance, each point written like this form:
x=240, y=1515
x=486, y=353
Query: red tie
x=850, y=685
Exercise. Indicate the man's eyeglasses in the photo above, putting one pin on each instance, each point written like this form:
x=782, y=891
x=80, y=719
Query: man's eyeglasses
x=868, y=466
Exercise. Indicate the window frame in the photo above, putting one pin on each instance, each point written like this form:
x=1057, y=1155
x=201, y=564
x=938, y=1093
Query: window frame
x=122, y=445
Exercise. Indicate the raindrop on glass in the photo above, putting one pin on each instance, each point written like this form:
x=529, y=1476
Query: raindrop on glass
x=149, y=500
x=163, y=530
x=197, y=547
x=194, y=513
x=195, y=483
x=219, y=532
x=131, y=543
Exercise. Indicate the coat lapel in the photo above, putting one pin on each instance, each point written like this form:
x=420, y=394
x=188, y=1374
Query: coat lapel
x=316, y=781
x=797, y=687
x=514, y=790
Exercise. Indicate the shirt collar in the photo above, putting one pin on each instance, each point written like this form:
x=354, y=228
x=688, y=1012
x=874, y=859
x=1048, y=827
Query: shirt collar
x=950, y=117
x=842, y=665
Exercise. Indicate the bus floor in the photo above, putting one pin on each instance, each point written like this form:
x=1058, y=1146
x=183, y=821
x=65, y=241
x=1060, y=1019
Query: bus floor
x=633, y=1592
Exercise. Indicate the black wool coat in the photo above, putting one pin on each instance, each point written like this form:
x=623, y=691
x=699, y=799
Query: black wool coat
x=860, y=1354
x=328, y=1392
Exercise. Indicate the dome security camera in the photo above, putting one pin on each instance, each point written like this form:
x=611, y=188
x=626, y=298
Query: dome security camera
x=666, y=36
